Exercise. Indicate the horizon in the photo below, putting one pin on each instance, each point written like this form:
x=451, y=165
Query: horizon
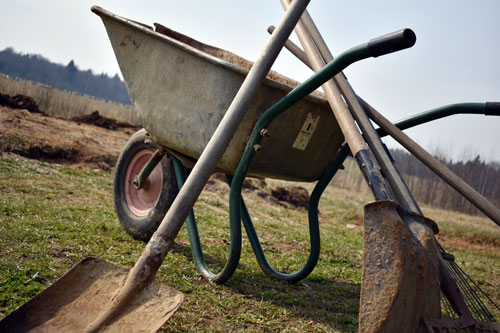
x=62, y=64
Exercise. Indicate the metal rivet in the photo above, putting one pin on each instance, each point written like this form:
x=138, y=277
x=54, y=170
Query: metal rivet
x=136, y=183
x=257, y=148
x=264, y=132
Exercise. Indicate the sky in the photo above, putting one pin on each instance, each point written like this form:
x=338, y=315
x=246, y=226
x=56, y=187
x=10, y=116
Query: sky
x=456, y=57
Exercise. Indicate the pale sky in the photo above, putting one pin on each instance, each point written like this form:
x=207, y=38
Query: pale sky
x=456, y=57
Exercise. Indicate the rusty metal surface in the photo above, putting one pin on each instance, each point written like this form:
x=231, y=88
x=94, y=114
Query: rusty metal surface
x=72, y=302
x=182, y=93
x=400, y=278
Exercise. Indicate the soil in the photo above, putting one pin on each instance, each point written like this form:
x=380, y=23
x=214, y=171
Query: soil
x=485, y=244
x=20, y=102
x=37, y=136
x=295, y=195
x=227, y=56
x=96, y=119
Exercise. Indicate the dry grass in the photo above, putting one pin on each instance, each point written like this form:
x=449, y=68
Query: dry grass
x=66, y=104
x=438, y=195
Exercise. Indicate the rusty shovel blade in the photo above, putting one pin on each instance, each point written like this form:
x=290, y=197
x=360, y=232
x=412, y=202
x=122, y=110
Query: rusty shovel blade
x=400, y=281
x=76, y=299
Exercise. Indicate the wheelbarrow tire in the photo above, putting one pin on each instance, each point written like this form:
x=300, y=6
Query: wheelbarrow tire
x=138, y=216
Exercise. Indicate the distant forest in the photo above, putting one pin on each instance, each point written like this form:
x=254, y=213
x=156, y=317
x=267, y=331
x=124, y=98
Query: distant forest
x=34, y=67
x=429, y=188
x=484, y=177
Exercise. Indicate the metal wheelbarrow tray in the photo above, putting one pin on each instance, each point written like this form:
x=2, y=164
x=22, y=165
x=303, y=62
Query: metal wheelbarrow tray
x=181, y=89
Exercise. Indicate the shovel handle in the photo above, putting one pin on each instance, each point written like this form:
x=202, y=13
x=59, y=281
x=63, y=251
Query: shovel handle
x=392, y=42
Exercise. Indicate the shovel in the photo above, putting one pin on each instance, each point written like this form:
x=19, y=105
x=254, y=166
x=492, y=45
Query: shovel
x=98, y=296
x=77, y=298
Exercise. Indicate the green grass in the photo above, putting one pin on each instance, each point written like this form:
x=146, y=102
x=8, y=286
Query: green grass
x=53, y=216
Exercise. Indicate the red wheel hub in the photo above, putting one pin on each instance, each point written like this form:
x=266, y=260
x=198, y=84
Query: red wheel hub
x=140, y=202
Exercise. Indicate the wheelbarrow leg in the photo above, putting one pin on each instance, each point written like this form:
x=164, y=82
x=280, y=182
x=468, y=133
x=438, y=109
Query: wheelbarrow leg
x=194, y=239
x=242, y=212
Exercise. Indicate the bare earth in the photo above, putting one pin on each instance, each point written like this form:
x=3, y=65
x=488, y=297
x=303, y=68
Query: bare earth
x=63, y=141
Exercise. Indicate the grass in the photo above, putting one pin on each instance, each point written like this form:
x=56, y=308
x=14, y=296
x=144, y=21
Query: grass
x=53, y=216
x=66, y=104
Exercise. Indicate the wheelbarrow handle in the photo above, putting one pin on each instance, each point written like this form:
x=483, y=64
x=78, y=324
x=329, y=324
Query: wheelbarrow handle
x=492, y=109
x=392, y=42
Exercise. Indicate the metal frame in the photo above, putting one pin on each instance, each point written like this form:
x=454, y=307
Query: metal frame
x=240, y=213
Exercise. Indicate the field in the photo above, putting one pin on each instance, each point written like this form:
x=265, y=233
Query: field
x=66, y=104
x=55, y=211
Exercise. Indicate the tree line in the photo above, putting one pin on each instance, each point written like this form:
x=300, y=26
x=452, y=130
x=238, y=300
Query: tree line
x=34, y=67
x=429, y=188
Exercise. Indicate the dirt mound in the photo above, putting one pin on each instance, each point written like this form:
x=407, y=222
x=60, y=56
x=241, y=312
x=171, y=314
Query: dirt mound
x=97, y=120
x=37, y=149
x=217, y=183
x=295, y=195
x=227, y=56
x=59, y=140
x=254, y=184
x=20, y=102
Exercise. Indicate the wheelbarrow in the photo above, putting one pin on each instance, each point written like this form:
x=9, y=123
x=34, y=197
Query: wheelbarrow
x=181, y=89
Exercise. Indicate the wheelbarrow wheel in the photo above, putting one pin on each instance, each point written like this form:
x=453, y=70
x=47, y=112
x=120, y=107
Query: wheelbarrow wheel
x=140, y=212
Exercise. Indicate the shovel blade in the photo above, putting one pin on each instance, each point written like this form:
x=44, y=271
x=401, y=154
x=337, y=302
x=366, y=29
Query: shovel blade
x=400, y=281
x=76, y=299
